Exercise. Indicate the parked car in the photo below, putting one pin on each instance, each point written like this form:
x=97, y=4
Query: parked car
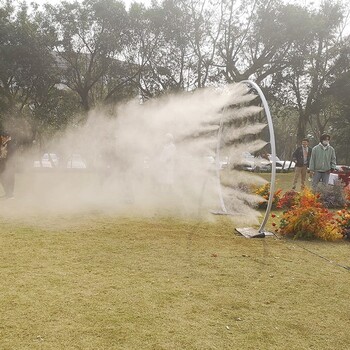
x=48, y=160
x=251, y=163
x=76, y=161
x=283, y=165
x=224, y=161
x=248, y=162
x=260, y=164
x=51, y=160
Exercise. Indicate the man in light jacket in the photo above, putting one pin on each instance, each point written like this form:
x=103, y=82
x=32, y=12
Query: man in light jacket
x=322, y=161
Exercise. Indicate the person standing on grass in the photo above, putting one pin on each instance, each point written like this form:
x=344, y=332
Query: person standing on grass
x=322, y=161
x=7, y=164
x=301, y=157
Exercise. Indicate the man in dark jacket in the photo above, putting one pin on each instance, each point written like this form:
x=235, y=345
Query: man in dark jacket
x=301, y=157
x=7, y=164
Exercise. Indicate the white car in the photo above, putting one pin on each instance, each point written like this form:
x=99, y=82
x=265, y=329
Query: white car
x=283, y=165
x=260, y=164
x=48, y=160
x=76, y=161
x=223, y=163
x=251, y=163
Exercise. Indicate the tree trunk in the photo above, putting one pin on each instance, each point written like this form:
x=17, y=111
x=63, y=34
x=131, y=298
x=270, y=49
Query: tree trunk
x=85, y=100
x=302, y=123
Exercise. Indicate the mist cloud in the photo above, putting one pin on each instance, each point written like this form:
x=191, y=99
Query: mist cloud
x=123, y=155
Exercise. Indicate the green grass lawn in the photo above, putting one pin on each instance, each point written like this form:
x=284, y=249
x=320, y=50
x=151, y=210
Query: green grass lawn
x=284, y=181
x=92, y=280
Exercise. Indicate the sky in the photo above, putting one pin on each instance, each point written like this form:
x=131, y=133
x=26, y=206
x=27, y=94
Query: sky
x=126, y=2
x=148, y=2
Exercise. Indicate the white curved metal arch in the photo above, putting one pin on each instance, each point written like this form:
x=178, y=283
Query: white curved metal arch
x=273, y=154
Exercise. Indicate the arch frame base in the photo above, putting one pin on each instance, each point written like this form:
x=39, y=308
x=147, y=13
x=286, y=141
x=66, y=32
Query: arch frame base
x=251, y=232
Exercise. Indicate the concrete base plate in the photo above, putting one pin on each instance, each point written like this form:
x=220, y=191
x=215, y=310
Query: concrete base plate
x=220, y=212
x=250, y=232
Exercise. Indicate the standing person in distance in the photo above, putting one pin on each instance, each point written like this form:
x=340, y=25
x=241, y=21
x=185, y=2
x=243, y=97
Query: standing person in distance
x=322, y=161
x=301, y=157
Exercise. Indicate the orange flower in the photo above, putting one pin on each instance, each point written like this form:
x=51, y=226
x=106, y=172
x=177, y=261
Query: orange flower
x=308, y=219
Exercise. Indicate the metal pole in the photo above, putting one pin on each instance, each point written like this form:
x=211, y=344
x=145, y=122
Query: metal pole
x=217, y=165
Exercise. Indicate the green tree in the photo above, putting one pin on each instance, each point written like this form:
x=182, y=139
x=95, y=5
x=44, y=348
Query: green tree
x=27, y=68
x=340, y=122
x=256, y=38
x=314, y=63
x=90, y=37
x=160, y=46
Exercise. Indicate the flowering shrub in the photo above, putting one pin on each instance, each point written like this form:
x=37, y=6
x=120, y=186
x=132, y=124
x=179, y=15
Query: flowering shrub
x=343, y=220
x=309, y=219
x=289, y=199
x=347, y=194
x=264, y=191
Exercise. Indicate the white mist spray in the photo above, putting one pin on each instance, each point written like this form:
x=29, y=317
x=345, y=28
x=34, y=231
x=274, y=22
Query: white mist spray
x=129, y=171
